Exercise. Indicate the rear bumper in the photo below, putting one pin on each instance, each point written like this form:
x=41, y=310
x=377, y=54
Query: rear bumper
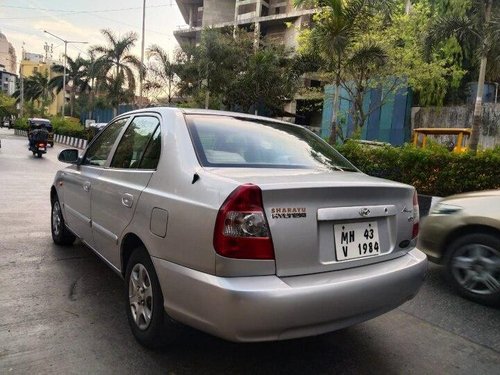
x=263, y=308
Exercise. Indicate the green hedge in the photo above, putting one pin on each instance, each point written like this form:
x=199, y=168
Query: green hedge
x=68, y=126
x=21, y=123
x=433, y=171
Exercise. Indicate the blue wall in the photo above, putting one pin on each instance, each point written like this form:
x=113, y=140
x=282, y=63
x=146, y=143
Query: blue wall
x=388, y=123
x=105, y=115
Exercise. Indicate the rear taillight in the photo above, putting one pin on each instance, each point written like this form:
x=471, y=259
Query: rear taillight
x=241, y=229
x=41, y=145
x=416, y=215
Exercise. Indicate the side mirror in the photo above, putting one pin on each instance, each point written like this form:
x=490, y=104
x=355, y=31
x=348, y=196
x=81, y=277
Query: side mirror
x=70, y=156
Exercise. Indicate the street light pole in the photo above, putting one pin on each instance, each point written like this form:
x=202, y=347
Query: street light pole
x=22, y=81
x=141, y=73
x=66, y=42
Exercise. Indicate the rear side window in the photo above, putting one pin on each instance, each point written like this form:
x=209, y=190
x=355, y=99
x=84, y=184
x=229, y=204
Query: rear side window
x=223, y=141
x=98, y=151
x=152, y=154
x=138, y=142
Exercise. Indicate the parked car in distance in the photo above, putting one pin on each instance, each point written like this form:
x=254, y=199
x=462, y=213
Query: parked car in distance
x=462, y=232
x=241, y=226
x=6, y=123
x=99, y=125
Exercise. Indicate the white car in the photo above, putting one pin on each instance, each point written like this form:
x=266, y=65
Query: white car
x=241, y=226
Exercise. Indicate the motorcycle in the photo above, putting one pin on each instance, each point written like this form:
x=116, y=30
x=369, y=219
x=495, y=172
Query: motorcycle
x=38, y=148
x=38, y=139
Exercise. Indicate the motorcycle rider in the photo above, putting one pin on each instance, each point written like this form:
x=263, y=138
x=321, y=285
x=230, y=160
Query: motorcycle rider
x=38, y=134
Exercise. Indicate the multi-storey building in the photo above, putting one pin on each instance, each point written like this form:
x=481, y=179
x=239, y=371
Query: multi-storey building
x=7, y=55
x=7, y=81
x=32, y=63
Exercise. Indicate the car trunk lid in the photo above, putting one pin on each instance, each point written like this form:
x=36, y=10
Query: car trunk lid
x=322, y=221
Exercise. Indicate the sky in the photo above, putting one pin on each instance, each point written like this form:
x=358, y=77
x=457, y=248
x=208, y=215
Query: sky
x=24, y=21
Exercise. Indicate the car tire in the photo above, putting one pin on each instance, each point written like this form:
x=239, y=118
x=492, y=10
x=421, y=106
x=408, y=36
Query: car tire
x=473, y=267
x=60, y=233
x=144, y=301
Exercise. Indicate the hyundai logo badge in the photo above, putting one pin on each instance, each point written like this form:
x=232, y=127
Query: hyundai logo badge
x=364, y=212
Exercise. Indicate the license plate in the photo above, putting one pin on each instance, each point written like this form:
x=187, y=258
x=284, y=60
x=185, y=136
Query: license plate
x=356, y=240
x=41, y=148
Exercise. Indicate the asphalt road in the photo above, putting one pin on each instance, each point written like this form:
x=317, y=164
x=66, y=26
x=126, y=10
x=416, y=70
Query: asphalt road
x=62, y=311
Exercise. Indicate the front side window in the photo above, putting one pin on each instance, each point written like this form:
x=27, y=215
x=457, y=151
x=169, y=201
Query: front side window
x=98, y=151
x=223, y=141
x=135, y=142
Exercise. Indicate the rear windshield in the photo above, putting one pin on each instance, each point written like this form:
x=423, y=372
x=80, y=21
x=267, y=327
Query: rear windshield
x=223, y=141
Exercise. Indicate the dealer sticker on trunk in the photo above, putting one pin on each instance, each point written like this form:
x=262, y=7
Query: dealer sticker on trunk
x=356, y=240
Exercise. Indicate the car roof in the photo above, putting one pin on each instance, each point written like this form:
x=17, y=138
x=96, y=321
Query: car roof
x=37, y=119
x=212, y=112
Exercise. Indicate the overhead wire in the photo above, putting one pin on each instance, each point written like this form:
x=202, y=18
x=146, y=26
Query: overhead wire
x=88, y=12
x=75, y=12
x=70, y=13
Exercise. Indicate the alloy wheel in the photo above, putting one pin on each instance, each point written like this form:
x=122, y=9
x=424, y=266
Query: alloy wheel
x=140, y=296
x=476, y=267
x=56, y=218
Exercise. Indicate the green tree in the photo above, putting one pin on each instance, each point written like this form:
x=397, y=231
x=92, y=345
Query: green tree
x=364, y=68
x=113, y=87
x=119, y=65
x=226, y=70
x=337, y=27
x=476, y=30
x=206, y=69
x=431, y=76
x=268, y=78
x=77, y=80
x=37, y=90
x=161, y=74
x=96, y=70
x=364, y=44
x=7, y=105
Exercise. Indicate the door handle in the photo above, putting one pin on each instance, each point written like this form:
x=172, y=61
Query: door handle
x=86, y=186
x=127, y=200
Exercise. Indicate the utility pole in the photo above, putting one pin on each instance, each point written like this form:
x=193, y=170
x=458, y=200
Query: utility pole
x=66, y=42
x=141, y=73
x=22, y=82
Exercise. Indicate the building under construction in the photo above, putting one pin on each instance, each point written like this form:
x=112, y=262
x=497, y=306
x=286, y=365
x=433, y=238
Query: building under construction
x=276, y=21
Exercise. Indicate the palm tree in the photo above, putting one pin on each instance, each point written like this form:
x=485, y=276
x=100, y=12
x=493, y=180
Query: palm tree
x=96, y=75
x=37, y=89
x=163, y=69
x=117, y=62
x=113, y=86
x=76, y=79
x=476, y=31
x=334, y=34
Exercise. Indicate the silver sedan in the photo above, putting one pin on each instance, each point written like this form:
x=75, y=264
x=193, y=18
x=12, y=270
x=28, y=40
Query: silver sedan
x=245, y=227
